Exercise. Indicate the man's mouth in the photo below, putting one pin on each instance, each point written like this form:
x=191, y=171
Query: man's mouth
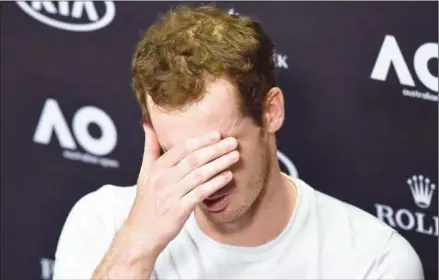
x=218, y=201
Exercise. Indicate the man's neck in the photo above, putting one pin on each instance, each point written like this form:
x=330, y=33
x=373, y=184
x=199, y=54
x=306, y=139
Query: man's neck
x=262, y=224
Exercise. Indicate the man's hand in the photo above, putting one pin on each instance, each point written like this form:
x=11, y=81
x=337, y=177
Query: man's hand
x=170, y=187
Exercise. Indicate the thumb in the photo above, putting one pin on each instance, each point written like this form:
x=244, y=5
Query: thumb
x=151, y=149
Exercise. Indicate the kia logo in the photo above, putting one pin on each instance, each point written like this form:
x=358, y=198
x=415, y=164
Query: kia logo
x=78, y=16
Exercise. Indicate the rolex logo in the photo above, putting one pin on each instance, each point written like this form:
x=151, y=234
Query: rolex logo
x=422, y=190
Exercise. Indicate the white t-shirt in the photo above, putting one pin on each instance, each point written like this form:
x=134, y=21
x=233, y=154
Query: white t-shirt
x=325, y=239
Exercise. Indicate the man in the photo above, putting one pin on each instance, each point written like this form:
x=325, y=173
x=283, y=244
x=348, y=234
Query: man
x=215, y=205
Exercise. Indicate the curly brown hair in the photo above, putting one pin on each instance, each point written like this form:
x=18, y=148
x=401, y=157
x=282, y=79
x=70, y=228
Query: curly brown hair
x=189, y=46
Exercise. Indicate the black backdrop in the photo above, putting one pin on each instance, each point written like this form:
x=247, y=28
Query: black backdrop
x=360, y=82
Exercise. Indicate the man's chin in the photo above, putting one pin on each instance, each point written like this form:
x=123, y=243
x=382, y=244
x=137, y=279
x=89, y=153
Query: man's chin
x=223, y=216
x=214, y=217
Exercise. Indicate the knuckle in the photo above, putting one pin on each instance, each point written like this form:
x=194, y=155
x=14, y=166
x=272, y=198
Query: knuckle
x=158, y=181
x=155, y=181
x=189, y=145
x=192, y=161
x=200, y=194
x=198, y=176
x=168, y=204
x=215, y=151
x=219, y=149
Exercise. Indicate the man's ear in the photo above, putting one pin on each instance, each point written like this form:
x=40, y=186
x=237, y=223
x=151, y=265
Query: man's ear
x=274, y=110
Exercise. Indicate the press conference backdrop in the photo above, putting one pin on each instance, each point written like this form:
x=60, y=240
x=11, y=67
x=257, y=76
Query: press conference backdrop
x=361, y=94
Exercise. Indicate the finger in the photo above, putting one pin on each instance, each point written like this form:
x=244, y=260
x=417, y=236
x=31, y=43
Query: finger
x=151, y=149
x=173, y=156
x=207, y=171
x=203, y=156
x=198, y=194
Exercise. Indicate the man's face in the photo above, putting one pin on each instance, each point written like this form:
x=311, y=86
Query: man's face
x=218, y=110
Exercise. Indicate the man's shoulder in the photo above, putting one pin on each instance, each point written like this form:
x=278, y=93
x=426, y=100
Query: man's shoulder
x=115, y=195
x=344, y=225
x=109, y=204
x=110, y=195
x=365, y=238
x=339, y=214
x=89, y=229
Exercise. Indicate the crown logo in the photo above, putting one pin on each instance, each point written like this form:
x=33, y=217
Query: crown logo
x=422, y=190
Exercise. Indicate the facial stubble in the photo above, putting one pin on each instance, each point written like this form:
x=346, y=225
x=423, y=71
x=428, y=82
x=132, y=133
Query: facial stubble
x=246, y=201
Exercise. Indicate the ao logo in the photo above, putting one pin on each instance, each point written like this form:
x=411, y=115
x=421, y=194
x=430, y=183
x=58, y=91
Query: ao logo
x=390, y=53
x=291, y=169
x=65, y=14
x=52, y=121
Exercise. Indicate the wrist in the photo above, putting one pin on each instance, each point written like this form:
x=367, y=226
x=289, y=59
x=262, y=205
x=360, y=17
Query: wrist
x=137, y=244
